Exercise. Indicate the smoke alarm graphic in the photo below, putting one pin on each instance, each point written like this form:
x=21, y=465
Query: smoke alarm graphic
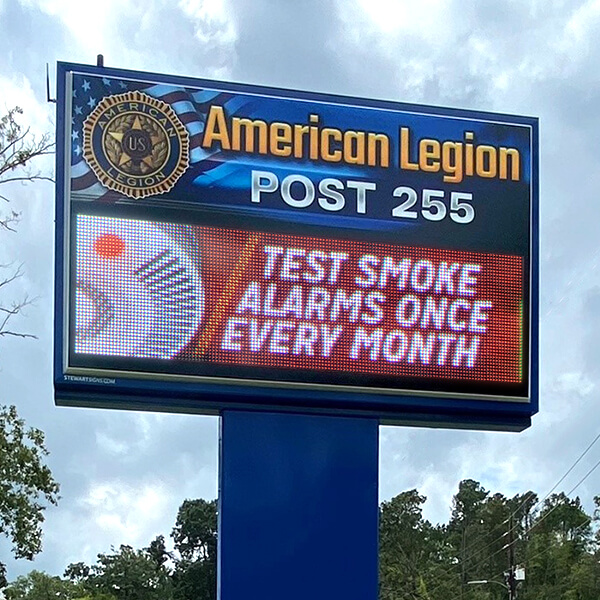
x=138, y=289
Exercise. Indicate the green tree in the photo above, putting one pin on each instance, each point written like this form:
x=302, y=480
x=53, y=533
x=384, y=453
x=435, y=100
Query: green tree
x=37, y=585
x=77, y=572
x=157, y=551
x=584, y=579
x=560, y=552
x=129, y=575
x=26, y=484
x=465, y=531
x=406, y=546
x=195, y=538
x=195, y=531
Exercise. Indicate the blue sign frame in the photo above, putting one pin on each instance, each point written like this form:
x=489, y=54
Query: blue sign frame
x=433, y=139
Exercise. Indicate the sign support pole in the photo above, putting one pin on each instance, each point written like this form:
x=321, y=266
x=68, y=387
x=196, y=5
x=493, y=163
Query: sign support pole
x=298, y=507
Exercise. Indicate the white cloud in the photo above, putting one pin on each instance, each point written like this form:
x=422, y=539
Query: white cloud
x=17, y=91
x=403, y=15
x=211, y=18
x=124, y=512
x=125, y=474
x=76, y=16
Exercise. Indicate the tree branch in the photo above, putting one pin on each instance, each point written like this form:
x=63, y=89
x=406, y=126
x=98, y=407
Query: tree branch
x=18, y=272
x=15, y=142
x=9, y=313
x=18, y=148
x=17, y=334
x=32, y=177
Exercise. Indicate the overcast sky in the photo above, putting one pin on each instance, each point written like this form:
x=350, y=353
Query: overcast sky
x=123, y=475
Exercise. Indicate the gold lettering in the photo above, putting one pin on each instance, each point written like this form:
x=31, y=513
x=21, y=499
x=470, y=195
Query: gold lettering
x=299, y=131
x=469, y=135
x=485, y=154
x=216, y=129
x=378, y=145
x=515, y=163
x=281, y=138
x=429, y=155
x=327, y=136
x=452, y=161
x=405, y=151
x=354, y=147
x=249, y=128
x=314, y=138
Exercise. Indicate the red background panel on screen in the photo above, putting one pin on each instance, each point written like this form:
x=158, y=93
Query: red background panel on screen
x=231, y=297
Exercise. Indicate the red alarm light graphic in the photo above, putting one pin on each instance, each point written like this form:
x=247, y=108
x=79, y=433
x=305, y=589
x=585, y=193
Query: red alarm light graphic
x=138, y=289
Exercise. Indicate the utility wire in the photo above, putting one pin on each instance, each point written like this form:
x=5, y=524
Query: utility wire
x=539, y=502
x=557, y=505
x=587, y=521
x=567, y=473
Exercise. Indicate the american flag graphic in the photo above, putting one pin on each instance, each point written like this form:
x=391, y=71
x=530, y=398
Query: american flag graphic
x=191, y=106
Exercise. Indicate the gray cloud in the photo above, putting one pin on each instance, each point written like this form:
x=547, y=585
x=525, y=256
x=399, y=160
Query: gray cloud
x=29, y=37
x=522, y=57
x=287, y=44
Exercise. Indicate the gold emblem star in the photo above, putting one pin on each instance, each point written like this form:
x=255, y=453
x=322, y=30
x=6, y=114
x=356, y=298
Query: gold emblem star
x=145, y=141
x=125, y=158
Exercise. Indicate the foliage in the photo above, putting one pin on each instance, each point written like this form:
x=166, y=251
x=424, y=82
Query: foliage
x=157, y=551
x=26, y=483
x=148, y=574
x=195, y=580
x=406, y=543
x=195, y=537
x=41, y=586
x=129, y=575
x=77, y=572
x=195, y=531
x=554, y=540
x=18, y=148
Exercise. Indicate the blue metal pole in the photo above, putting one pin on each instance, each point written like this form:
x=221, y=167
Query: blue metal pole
x=298, y=507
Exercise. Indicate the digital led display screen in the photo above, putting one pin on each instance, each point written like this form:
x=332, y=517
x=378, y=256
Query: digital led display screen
x=226, y=245
x=191, y=294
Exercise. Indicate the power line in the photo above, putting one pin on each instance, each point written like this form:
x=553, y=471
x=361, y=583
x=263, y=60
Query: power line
x=587, y=521
x=552, y=509
x=566, y=474
x=568, y=494
x=539, y=502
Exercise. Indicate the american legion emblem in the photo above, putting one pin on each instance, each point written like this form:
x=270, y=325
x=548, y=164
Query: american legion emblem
x=135, y=144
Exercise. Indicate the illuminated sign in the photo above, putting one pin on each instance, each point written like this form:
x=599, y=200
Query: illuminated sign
x=201, y=297
x=224, y=245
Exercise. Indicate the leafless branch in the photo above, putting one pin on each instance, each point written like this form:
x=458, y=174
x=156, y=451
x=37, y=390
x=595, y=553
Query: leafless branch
x=25, y=178
x=18, y=272
x=8, y=222
x=19, y=147
x=17, y=334
x=8, y=313
x=15, y=139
